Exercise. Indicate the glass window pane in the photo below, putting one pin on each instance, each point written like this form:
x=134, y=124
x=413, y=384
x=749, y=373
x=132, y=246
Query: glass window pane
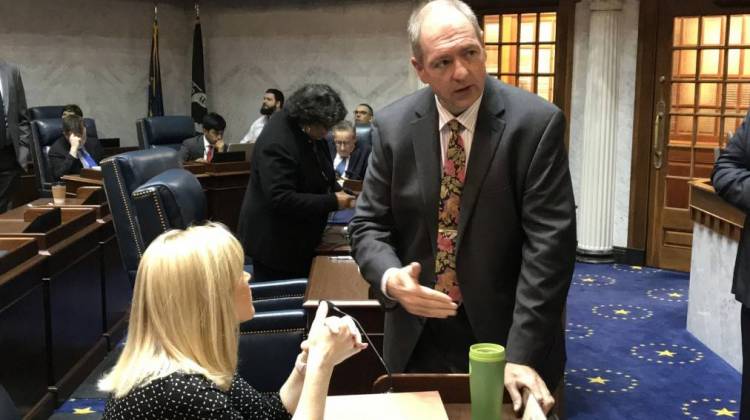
x=709, y=98
x=713, y=30
x=738, y=66
x=508, y=59
x=683, y=97
x=680, y=130
x=491, y=61
x=547, y=27
x=491, y=28
x=509, y=79
x=545, y=87
x=685, y=31
x=528, y=27
x=738, y=98
x=730, y=126
x=526, y=83
x=546, y=61
x=510, y=28
x=526, y=59
x=678, y=193
x=739, y=30
x=708, y=131
x=684, y=63
x=712, y=64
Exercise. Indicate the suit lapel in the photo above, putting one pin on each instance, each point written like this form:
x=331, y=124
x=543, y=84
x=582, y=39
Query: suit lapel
x=5, y=77
x=426, y=142
x=487, y=134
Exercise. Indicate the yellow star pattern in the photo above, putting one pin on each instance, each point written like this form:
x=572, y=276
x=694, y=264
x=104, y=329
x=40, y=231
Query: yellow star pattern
x=675, y=295
x=86, y=410
x=636, y=267
x=598, y=380
x=622, y=312
x=724, y=412
x=666, y=353
x=588, y=280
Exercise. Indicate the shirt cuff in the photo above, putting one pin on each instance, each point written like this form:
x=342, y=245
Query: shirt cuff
x=383, y=281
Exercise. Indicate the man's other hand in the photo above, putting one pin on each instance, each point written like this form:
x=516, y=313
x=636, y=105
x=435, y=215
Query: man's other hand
x=403, y=286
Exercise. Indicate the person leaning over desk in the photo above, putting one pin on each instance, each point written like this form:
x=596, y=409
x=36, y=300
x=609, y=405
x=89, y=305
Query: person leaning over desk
x=180, y=357
x=292, y=186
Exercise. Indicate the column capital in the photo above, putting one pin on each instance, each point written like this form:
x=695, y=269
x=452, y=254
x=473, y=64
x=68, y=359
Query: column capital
x=605, y=5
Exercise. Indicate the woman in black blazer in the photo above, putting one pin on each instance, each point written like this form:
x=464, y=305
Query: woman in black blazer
x=292, y=186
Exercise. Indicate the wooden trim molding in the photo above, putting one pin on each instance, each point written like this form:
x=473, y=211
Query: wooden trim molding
x=710, y=210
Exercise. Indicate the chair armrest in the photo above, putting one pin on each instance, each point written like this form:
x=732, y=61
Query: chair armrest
x=278, y=289
x=265, y=322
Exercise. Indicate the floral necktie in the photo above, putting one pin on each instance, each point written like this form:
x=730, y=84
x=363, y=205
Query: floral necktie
x=454, y=174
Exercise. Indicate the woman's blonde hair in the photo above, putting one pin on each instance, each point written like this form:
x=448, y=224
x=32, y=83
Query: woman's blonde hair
x=183, y=316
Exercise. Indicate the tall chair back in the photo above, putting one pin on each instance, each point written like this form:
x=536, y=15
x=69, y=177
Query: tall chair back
x=123, y=174
x=45, y=112
x=167, y=131
x=8, y=410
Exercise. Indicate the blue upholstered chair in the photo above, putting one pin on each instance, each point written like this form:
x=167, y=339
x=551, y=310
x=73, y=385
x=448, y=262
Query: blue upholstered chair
x=167, y=131
x=123, y=174
x=45, y=112
x=44, y=132
x=8, y=410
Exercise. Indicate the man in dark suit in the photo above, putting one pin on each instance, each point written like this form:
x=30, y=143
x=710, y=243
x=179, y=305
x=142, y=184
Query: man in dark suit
x=15, y=132
x=731, y=179
x=202, y=148
x=466, y=224
x=349, y=158
x=75, y=150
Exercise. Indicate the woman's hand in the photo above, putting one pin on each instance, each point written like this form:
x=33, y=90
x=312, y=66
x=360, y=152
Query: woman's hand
x=331, y=340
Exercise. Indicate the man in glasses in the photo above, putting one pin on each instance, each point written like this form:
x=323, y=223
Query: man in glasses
x=349, y=158
x=363, y=114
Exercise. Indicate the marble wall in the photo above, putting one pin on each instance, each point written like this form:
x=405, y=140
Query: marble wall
x=96, y=53
x=627, y=53
x=713, y=313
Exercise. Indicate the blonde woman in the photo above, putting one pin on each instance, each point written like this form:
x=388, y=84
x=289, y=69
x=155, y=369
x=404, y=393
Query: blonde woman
x=180, y=357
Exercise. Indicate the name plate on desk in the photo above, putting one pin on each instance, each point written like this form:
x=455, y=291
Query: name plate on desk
x=393, y=406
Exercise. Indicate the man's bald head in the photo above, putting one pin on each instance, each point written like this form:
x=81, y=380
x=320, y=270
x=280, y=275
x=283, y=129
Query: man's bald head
x=447, y=11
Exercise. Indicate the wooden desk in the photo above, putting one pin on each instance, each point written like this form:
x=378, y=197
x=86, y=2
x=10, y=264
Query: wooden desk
x=337, y=279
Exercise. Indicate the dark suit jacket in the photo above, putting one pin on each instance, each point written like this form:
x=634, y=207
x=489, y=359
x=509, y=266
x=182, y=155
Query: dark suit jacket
x=516, y=238
x=357, y=160
x=193, y=148
x=14, y=102
x=62, y=163
x=731, y=179
x=288, y=197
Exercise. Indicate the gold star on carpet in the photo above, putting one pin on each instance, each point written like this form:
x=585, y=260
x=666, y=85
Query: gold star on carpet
x=86, y=410
x=675, y=295
x=588, y=280
x=666, y=353
x=598, y=380
x=637, y=267
x=622, y=312
x=724, y=412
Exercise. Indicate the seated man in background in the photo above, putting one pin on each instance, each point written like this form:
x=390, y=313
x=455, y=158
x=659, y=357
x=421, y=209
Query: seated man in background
x=349, y=158
x=273, y=101
x=72, y=109
x=203, y=147
x=363, y=114
x=74, y=150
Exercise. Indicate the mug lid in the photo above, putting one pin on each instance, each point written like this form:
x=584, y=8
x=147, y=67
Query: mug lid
x=487, y=352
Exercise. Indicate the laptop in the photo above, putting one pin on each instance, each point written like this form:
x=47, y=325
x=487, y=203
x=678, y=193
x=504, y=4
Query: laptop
x=247, y=148
x=228, y=157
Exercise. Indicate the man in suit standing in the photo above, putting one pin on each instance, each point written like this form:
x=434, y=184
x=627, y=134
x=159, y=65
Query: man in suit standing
x=465, y=228
x=349, y=158
x=75, y=150
x=731, y=179
x=15, y=132
x=202, y=148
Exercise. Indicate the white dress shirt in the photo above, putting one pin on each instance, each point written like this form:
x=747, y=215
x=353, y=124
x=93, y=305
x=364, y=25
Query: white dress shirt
x=206, y=144
x=338, y=160
x=255, y=129
x=468, y=120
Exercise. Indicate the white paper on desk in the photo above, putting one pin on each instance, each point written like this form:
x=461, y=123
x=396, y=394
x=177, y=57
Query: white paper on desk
x=393, y=406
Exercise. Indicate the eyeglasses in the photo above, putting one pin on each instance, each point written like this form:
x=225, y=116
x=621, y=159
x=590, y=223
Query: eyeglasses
x=361, y=112
x=343, y=143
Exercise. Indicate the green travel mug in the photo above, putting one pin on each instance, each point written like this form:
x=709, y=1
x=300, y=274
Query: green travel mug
x=486, y=380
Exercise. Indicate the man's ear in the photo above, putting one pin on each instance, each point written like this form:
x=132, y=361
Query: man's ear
x=419, y=68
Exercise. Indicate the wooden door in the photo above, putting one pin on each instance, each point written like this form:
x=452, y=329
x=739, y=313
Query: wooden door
x=702, y=93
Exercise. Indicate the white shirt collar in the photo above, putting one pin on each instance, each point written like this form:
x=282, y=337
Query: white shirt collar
x=205, y=142
x=468, y=118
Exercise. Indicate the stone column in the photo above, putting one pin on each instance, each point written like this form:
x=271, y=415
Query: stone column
x=596, y=221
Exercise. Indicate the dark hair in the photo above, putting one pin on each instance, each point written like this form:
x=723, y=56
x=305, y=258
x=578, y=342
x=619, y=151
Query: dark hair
x=214, y=121
x=72, y=109
x=278, y=95
x=72, y=124
x=316, y=104
x=344, y=125
x=369, y=108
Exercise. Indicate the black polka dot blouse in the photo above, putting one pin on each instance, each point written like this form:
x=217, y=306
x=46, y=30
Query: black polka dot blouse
x=183, y=396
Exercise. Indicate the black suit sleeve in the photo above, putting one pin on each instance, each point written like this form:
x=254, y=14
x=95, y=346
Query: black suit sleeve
x=548, y=252
x=61, y=162
x=731, y=174
x=24, y=125
x=278, y=169
x=184, y=151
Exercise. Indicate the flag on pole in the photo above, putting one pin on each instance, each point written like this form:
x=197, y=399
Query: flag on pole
x=198, y=98
x=155, y=99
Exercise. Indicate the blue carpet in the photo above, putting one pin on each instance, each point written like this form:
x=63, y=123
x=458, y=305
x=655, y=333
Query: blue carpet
x=630, y=356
